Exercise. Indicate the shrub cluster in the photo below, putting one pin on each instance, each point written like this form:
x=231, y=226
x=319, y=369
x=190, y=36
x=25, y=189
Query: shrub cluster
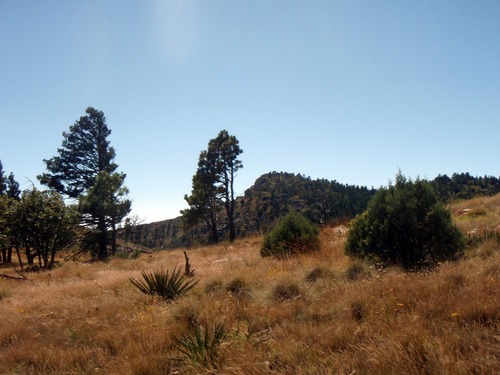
x=293, y=234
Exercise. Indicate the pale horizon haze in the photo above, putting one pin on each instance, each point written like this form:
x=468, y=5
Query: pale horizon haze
x=344, y=90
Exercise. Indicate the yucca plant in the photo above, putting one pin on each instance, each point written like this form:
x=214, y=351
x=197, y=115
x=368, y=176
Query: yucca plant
x=168, y=286
x=201, y=346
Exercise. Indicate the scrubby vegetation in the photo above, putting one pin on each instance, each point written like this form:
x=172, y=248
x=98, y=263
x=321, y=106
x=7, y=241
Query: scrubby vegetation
x=405, y=225
x=321, y=201
x=292, y=235
x=314, y=313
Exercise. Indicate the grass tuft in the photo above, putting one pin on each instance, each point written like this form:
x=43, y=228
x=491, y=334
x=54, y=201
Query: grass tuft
x=357, y=271
x=285, y=291
x=319, y=273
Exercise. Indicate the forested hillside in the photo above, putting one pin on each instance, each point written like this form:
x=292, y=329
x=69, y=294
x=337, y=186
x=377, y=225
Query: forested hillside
x=321, y=201
x=272, y=195
x=275, y=193
x=465, y=186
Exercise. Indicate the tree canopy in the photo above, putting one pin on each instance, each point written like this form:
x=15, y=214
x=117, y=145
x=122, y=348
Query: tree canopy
x=40, y=221
x=84, y=153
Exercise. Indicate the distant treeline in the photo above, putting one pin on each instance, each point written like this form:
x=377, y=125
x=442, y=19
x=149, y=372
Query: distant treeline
x=321, y=201
x=464, y=186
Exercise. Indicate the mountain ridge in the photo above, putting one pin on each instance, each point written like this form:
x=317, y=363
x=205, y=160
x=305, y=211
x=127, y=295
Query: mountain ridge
x=273, y=194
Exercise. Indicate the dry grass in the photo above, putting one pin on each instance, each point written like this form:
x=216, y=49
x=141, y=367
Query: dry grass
x=87, y=318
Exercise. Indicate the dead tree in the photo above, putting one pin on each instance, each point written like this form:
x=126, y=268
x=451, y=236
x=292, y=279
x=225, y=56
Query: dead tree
x=188, y=271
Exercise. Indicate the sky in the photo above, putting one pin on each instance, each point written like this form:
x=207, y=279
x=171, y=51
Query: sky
x=346, y=90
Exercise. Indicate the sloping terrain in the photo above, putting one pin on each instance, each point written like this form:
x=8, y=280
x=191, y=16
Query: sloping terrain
x=274, y=194
x=320, y=313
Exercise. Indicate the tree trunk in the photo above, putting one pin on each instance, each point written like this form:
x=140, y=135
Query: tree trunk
x=18, y=251
x=52, y=257
x=230, y=208
x=232, y=230
x=212, y=223
x=30, y=257
x=103, y=238
x=113, y=243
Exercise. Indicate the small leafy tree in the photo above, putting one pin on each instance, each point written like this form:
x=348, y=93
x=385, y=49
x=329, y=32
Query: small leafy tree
x=293, y=234
x=405, y=224
x=45, y=223
x=4, y=228
x=9, y=197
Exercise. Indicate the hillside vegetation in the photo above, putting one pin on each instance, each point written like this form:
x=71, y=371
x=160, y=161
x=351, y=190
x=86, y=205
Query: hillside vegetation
x=274, y=194
x=318, y=313
x=271, y=197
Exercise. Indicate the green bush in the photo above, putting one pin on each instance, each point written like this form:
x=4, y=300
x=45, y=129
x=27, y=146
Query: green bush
x=406, y=225
x=168, y=286
x=293, y=234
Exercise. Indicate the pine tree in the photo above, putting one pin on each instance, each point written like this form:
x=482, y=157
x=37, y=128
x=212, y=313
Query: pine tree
x=3, y=180
x=85, y=155
x=13, y=190
x=204, y=201
x=213, y=184
x=223, y=152
x=85, y=152
x=104, y=206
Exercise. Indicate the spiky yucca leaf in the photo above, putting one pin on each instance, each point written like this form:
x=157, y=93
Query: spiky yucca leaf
x=201, y=346
x=168, y=286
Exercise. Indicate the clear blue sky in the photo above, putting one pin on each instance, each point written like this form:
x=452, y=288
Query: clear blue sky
x=344, y=90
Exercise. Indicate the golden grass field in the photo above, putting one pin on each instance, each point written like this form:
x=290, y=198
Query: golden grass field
x=343, y=317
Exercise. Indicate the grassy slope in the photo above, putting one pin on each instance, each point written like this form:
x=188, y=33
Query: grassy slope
x=86, y=319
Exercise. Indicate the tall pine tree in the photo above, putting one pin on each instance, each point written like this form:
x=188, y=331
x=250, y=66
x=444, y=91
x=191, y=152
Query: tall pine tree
x=213, y=184
x=84, y=155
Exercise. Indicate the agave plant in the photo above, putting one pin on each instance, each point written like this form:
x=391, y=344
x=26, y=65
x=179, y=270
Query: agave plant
x=168, y=286
x=201, y=347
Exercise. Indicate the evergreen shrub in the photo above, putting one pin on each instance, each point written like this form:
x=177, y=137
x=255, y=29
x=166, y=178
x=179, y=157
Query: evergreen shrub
x=405, y=225
x=293, y=234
